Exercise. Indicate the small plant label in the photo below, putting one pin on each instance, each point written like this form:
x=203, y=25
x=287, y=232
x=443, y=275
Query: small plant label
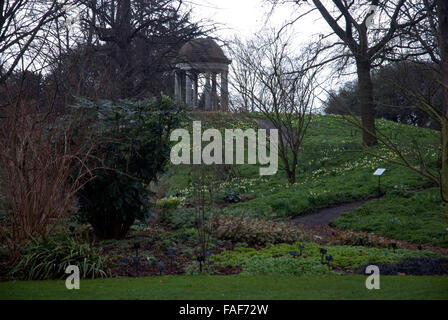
x=72, y=282
x=373, y=281
x=379, y=172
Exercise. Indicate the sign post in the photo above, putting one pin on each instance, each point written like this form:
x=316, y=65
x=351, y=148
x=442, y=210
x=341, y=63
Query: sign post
x=379, y=173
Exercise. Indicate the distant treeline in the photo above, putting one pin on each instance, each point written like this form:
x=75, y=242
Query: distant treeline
x=398, y=87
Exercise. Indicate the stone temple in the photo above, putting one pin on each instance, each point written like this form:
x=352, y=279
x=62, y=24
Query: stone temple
x=201, y=71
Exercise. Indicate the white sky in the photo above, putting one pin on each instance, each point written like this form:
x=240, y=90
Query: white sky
x=246, y=17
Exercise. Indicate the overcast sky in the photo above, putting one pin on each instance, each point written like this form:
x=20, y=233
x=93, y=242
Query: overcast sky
x=246, y=17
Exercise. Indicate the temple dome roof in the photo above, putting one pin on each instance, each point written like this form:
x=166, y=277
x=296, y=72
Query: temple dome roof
x=202, y=50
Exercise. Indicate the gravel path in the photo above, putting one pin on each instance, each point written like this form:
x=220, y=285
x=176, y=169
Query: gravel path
x=325, y=216
x=264, y=124
x=268, y=125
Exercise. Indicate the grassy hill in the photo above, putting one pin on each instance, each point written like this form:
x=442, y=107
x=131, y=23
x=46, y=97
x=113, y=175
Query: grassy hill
x=332, y=170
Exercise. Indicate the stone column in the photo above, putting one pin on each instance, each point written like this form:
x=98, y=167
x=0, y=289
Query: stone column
x=207, y=92
x=188, y=97
x=177, y=88
x=225, y=91
x=195, y=90
x=214, y=93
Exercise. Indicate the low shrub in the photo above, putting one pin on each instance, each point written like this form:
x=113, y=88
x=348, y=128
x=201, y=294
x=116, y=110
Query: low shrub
x=135, y=148
x=182, y=218
x=183, y=237
x=140, y=227
x=282, y=266
x=48, y=257
x=353, y=238
x=187, y=236
x=245, y=210
x=40, y=151
x=128, y=244
x=412, y=266
x=232, y=195
x=167, y=205
x=254, y=231
x=402, y=191
x=192, y=269
x=344, y=257
x=170, y=203
x=111, y=203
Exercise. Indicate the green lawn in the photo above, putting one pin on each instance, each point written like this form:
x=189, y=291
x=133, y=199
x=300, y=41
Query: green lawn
x=233, y=287
x=417, y=217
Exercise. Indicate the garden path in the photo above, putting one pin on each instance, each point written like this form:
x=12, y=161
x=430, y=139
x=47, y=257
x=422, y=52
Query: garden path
x=326, y=215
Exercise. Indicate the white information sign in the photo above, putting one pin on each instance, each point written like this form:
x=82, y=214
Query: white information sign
x=379, y=172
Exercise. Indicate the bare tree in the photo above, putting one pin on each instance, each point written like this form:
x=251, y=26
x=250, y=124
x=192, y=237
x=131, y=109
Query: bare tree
x=442, y=15
x=427, y=40
x=283, y=90
x=351, y=21
x=242, y=79
x=23, y=32
x=431, y=38
x=43, y=163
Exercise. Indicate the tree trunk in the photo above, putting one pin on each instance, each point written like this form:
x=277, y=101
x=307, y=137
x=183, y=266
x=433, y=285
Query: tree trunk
x=289, y=168
x=444, y=169
x=292, y=176
x=123, y=36
x=365, y=89
x=291, y=173
x=442, y=14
